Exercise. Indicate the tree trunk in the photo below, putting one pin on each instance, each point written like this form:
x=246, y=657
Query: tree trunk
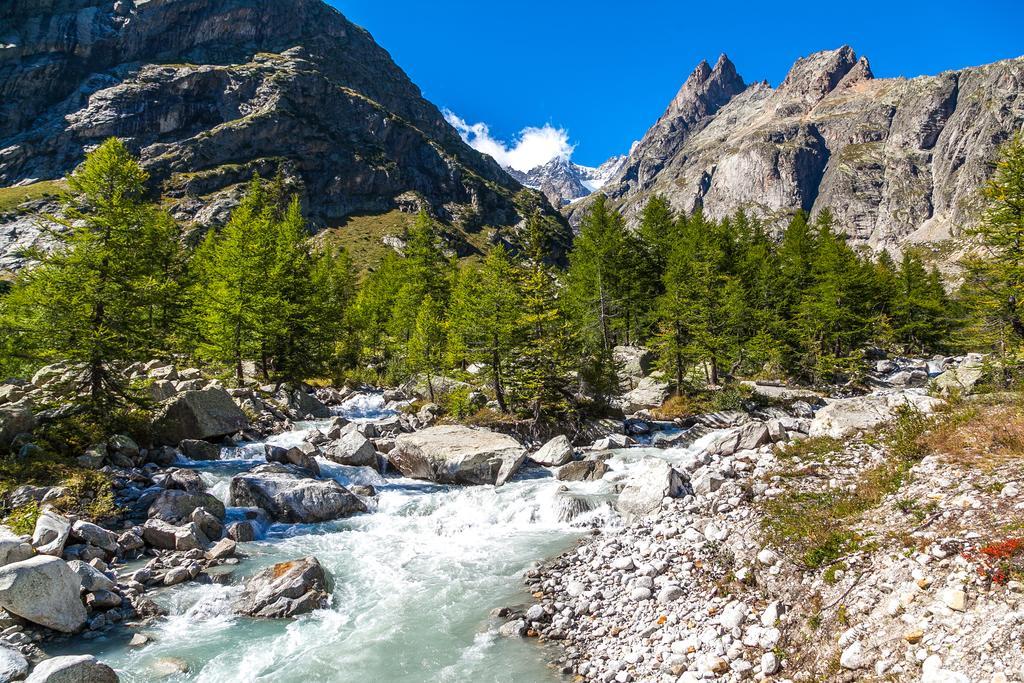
x=499, y=392
x=430, y=387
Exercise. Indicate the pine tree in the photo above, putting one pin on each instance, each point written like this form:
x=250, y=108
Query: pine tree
x=994, y=280
x=920, y=309
x=104, y=297
x=425, y=352
x=538, y=380
x=485, y=310
x=234, y=299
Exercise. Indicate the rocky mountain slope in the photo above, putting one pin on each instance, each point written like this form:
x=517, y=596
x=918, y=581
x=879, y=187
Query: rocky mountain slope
x=894, y=159
x=563, y=181
x=209, y=92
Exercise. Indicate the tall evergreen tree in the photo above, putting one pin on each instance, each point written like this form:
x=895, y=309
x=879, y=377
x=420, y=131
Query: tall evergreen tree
x=994, y=278
x=485, y=311
x=104, y=297
x=425, y=352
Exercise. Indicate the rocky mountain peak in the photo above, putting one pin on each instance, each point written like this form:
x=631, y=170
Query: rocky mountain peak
x=813, y=77
x=894, y=160
x=210, y=92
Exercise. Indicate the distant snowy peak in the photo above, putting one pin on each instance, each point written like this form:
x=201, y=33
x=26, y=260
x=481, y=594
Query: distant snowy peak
x=563, y=182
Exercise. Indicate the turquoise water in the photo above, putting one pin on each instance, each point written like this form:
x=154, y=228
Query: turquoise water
x=414, y=581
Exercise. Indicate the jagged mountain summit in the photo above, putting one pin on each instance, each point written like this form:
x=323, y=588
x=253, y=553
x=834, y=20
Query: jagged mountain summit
x=563, y=181
x=209, y=92
x=894, y=159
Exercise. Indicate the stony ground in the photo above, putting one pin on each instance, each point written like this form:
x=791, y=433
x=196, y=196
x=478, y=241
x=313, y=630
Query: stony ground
x=838, y=560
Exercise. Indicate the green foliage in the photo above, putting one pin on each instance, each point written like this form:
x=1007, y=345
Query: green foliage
x=993, y=286
x=111, y=294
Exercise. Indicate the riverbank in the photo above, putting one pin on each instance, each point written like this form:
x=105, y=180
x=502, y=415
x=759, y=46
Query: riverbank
x=887, y=554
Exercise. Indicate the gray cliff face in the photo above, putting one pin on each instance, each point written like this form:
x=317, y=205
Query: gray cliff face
x=208, y=92
x=893, y=159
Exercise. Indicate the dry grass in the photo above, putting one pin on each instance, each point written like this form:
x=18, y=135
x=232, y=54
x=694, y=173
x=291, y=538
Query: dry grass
x=982, y=436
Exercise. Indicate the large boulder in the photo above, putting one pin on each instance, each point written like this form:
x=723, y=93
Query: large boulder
x=197, y=449
x=176, y=506
x=632, y=364
x=285, y=590
x=308, y=406
x=165, y=536
x=288, y=494
x=554, y=453
x=12, y=548
x=453, y=454
x=582, y=470
x=743, y=438
x=15, y=418
x=51, y=533
x=653, y=481
x=93, y=534
x=43, y=590
x=845, y=416
x=72, y=669
x=296, y=455
x=962, y=378
x=651, y=392
x=351, y=448
x=204, y=414
x=13, y=665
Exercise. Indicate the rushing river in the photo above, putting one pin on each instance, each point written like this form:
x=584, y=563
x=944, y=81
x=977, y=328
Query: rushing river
x=414, y=581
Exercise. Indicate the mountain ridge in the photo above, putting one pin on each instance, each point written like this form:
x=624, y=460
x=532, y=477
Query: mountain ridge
x=894, y=159
x=210, y=92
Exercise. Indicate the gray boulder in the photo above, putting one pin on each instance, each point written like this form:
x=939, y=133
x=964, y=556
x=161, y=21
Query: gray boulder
x=651, y=392
x=653, y=481
x=743, y=438
x=845, y=416
x=93, y=534
x=92, y=579
x=204, y=414
x=175, y=506
x=308, y=405
x=13, y=665
x=288, y=494
x=554, y=453
x=453, y=454
x=197, y=449
x=72, y=669
x=352, y=448
x=284, y=590
x=51, y=533
x=293, y=456
x=164, y=536
x=43, y=590
x=12, y=548
x=582, y=470
x=15, y=418
x=962, y=378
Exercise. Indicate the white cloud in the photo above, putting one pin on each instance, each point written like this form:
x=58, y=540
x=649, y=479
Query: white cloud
x=533, y=146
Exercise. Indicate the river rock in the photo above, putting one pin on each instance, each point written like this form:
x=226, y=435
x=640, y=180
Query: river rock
x=72, y=669
x=745, y=437
x=288, y=494
x=284, y=590
x=93, y=534
x=845, y=416
x=15, y=418
x=453, y=454
x=653, y=481
x=554, y=453
x=92, y=579
x=651, y=392
x=43, y=590
x=308, y=405
x=175, y=506
x=197, y=449
x=292, y=456
x=13, y=665
x=962, y=378
x=582, y=470
x=51, y=533
x=12, y=548
x=165, y=536
x=352, y=448
x=203, y=414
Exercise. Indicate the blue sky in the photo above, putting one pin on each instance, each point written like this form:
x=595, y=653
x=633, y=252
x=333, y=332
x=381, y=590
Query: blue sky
x=604, y=71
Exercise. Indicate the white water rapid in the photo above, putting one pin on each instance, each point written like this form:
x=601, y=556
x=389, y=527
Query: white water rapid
x=414, y=580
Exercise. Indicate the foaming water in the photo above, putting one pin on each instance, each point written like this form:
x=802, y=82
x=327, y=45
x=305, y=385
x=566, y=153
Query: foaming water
x=413, y=582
